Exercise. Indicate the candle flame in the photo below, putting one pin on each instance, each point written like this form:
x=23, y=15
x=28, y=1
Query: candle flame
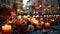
x=6, y=27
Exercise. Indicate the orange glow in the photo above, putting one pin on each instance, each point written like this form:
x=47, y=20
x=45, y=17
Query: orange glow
x=28, y=15
x=47, y=25
x=12, y=13
x=6, y=28
x=19, y=17
x=34, y=16
x=21, y=11
x=42, y=22
x=35, y=22
x=18, y=10
x=25, y=17
x=33, y=19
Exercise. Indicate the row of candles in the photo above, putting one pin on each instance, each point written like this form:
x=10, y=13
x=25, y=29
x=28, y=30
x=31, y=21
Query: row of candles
x=7, y=28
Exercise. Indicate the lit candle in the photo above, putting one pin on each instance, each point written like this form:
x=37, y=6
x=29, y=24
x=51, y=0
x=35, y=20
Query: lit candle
x=19, y=17
x=18, y=10
x=47, y=25
x=28, y=15
x=42, y=23
x=33, y=19
x=6, y=29
x=25, y=17
x=35, y=22
x=13, y=13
